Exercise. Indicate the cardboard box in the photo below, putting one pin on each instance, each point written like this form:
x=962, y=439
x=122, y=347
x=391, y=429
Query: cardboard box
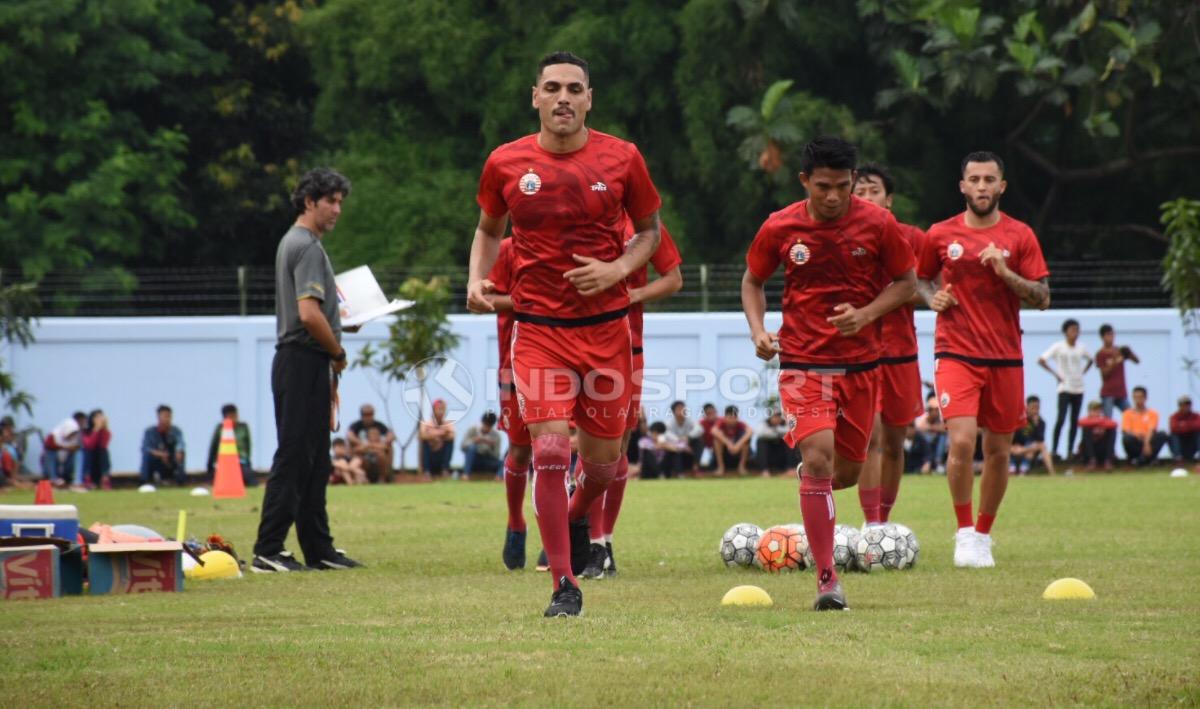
x=29, y=572
x=135, y=568
x=60, y=521
x=70, y=560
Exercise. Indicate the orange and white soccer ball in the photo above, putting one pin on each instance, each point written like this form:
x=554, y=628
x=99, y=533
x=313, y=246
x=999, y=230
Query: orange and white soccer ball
x=782, y=548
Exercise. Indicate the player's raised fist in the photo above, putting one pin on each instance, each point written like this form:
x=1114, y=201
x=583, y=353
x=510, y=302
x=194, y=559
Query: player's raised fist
x=943, y=300
x=477, y=296
x=849, y=319
x=766, y=344
x=593, y=276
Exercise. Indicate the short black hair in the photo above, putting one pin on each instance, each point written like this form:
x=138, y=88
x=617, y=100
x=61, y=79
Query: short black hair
x=658, y=427
x=1105, y=329
x=562, y=57
x=1032, y=398
x=1140, y=388
x=338, y=442
x=1068, y=323
x=874, y=169
x=489, y=418
x=161, y=408
x=79, y=415
x=8, y=421
x=228, y=410
x=676, y=404
x=731, y=410
x=709, y=405
x=981, y=156
x=828, y=151
x=317, y=183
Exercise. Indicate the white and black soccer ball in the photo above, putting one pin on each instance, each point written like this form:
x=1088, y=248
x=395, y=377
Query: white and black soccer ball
x=913, y=547
x=845, y=547
x=882, y=547
x=739, y=544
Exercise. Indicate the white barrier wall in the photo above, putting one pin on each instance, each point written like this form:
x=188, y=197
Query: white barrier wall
x=127, y=366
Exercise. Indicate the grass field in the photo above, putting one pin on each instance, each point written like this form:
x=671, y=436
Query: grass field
x=436, y=619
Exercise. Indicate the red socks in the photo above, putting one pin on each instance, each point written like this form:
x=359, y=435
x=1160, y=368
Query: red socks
x=984, y=524
x=963, y=513
x=514, y=491
x=887, y=500
x=593, y=479
x=869, y=499
x=816, y=506
x=551, y=457
x=614, y=496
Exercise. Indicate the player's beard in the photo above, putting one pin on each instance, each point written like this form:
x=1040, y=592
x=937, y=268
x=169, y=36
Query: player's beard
x=992, y=205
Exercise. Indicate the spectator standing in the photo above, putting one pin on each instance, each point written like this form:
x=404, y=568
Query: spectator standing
x=59, y=449
x=481, y=448
x=932, y=428
x=1029, y=441
x=679, y=429
x=1099, y=437
x=1071, y=361
x=774, y=455
x=1139, y=431
x=376, y=454
x=731, y=442
x=437, y=441
x=97, y=466
x=163, y=450
x=347, y=468
x=1110, y=360
x=1185, y=432
x=241, y=434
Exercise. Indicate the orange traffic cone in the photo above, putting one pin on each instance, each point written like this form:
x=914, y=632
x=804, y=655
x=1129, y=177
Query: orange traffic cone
x=228, y=481
x=44, y=495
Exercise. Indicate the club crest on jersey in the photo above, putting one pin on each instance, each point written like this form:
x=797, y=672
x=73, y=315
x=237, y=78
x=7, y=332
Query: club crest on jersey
x=530, y=183
x=954, y=250
x=799, y=253
x=945, y=400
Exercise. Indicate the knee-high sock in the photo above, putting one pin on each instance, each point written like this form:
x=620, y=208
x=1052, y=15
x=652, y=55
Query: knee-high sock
x=614, y=496
x=551, y=456
x=887, y=500
x=593, y=480
x=514, y=492
x=816, y=506
x=869, y=498
x=596, y=519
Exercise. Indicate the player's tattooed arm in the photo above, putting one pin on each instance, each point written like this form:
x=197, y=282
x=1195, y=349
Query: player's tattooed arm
x=1032, y=293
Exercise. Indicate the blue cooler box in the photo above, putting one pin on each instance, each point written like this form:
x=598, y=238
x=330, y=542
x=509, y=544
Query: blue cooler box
x=60, y=521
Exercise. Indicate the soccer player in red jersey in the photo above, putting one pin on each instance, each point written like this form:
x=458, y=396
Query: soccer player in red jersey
x=900, y=400
x=834, y=248
x=989, y=265
x=604, y=512
x=567, y=190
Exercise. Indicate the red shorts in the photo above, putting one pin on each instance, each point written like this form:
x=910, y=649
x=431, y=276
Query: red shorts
x=816, y=401
x=635, y=399
x=995, y=396
x=510, y=416
x=900, y=401
x=583, y=373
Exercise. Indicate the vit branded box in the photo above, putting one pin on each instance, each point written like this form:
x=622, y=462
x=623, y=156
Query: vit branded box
x=29, y=572
x=60, y=521
x=135, y=568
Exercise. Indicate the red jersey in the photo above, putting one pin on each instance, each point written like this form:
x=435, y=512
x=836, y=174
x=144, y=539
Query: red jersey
x=985, y=326
x=899, y=332
x=565, y=204
x=826, y=264
x=501, y=276
x=665, y=258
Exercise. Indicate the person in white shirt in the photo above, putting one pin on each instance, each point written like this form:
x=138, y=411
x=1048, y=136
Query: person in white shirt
x=59, y=450
x=680, y=429
x=1071, y=361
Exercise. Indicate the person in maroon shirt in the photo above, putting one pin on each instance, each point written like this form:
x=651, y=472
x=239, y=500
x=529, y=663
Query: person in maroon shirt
x=1110, y=360
x=1184, y=428
x=731, y=442
x=836, y=250
x=989, y=264
x=1099, y=438
x=567, y=190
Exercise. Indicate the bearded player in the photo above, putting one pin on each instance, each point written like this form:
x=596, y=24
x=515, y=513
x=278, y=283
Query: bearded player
x=989, y=265
x=900, y=400
x=834, y=248
x=603, y=515
x=567, y=190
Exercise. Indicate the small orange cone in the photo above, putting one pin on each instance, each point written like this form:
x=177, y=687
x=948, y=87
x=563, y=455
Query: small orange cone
x=228, y=481
x=44, y=495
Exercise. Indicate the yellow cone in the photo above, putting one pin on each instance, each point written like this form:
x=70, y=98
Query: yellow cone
x=1068, y=589
x=746, y=596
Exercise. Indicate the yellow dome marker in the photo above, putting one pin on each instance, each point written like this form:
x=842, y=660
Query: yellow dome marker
x=1068, y=589
x=746, y=596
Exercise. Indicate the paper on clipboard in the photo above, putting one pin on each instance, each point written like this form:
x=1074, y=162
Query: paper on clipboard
x=360, y=299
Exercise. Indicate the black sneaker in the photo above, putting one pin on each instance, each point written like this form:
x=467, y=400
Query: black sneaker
x=514, y=549
x=275, y=563
x=338, y=561
x=610, y=567
x=581, y=543
x=830, y=596
x=566, y=601
x=543, y=562
x=597, y=555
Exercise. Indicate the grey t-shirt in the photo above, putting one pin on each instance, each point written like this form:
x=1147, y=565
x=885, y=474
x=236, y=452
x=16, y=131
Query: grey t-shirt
x=302, y=270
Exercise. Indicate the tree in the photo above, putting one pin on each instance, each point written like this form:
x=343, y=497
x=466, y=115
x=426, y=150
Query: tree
x=18, y=305
x=1181, y=265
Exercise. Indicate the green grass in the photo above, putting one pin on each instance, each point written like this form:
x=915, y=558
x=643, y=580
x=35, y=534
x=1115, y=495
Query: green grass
x=435, y=619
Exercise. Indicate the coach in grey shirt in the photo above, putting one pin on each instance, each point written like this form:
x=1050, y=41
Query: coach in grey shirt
x=308, y=356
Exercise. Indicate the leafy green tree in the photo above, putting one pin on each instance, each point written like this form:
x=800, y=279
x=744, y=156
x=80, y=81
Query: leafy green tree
x=18, y=306
x=1181, y=265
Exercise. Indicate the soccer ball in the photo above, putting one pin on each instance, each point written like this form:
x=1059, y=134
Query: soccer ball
x=782, y=548
x=739, y=543
x=808, y=558
x=845, y=547
x=882, y=547
x=913, y=547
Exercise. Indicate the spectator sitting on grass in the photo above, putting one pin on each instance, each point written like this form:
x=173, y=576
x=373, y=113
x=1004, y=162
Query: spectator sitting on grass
x=652, y=450
x=59, y=449
x=437, y=441
x=347, y=468
x=1029, y=442
x=376, y=454
x=481, y=448
x=701, y=437
x=1099, y=437
x=680, y=428
x=1185, y=432
x=241, y=435
x=97, y=466
x=163, y=451
x=10, y=458
x=774, y=457
x=1139, y=431
x=731, y=442
x=931, y=426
